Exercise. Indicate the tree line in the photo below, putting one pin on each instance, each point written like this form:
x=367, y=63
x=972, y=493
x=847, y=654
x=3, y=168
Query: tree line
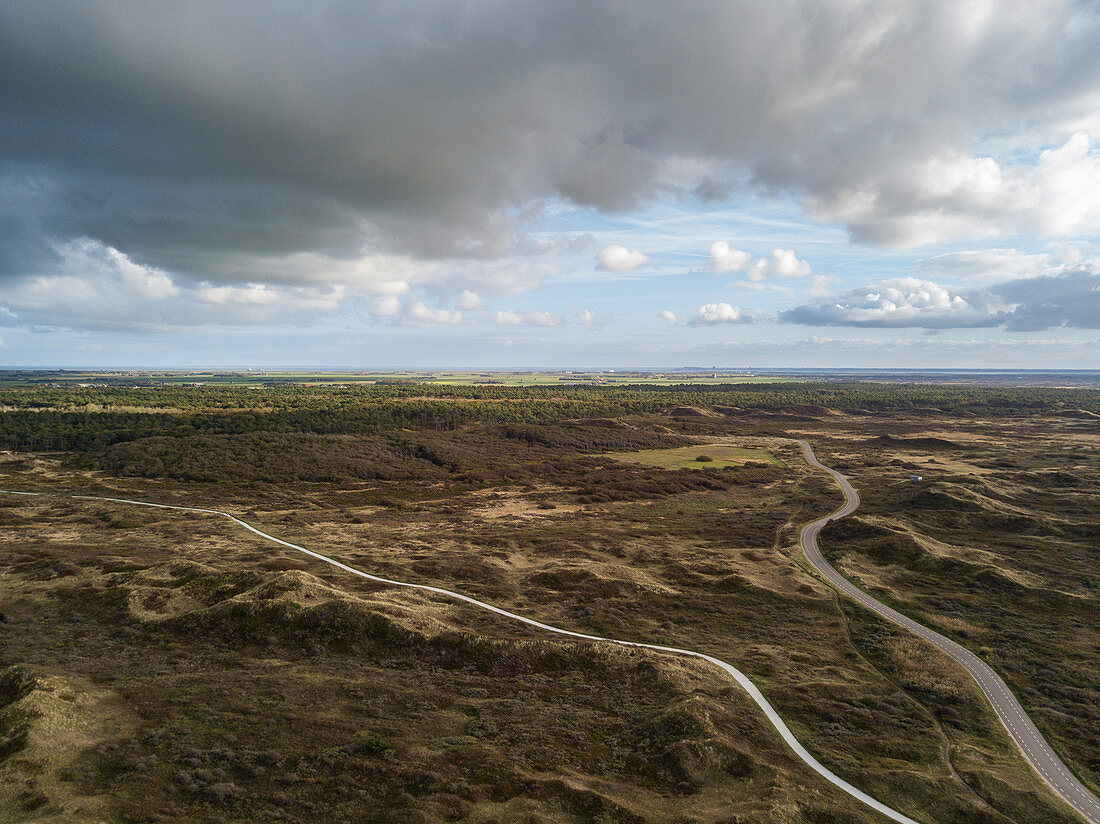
x=92, y=418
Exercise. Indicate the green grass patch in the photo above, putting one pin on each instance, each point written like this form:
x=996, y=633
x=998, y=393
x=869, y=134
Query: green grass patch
x=687, y=457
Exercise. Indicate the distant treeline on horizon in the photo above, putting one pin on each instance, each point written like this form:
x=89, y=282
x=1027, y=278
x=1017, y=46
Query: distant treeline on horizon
x=92, y=418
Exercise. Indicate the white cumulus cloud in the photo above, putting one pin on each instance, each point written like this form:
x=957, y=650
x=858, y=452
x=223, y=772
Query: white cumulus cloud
x=782, y=264
x=953, y=195
x=619, y=259
x=257, y=293
x=724, y=258
x=470, y=301
x=418, y=313
x=95, y=286
x=902, y=302
x=586, y=317
x=713, y=314
x=543, y=319
x=1070, y=300
x=507, y=317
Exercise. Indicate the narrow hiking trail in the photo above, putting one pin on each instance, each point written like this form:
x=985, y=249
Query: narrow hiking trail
x=743, y=680
x=1034, y=748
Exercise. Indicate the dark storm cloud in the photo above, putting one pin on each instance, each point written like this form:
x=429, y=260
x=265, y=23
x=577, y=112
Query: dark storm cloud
x=205, y=138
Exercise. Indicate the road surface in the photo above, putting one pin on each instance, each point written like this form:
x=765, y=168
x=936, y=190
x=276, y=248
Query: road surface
x=1033, y=746
x=742, y=679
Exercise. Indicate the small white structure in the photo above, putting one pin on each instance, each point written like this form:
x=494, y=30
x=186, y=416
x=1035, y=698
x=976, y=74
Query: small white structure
x=915, y=478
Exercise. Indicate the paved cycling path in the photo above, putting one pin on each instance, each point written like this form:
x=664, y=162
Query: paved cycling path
x=1031, y=743
x=742, y=679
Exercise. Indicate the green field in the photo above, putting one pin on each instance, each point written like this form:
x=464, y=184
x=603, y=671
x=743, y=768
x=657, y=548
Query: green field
x=687, y=457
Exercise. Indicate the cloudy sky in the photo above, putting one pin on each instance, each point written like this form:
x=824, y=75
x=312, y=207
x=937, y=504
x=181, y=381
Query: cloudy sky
x=541, y=183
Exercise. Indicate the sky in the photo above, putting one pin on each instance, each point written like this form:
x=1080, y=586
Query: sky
x=550, y=184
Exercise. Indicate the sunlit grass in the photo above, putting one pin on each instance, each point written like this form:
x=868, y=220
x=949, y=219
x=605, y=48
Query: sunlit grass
x=687, y=457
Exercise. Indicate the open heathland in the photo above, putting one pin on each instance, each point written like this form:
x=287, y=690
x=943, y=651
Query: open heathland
x=160, y=665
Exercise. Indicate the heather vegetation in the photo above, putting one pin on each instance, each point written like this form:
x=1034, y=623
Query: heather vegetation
x=996, y=547
x=212, y=676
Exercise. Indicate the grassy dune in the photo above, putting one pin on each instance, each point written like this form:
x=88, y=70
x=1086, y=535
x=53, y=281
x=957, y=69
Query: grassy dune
x=203, y=674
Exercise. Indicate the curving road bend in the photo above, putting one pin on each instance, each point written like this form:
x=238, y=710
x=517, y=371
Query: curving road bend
x=1034, y=747
x=742, y=679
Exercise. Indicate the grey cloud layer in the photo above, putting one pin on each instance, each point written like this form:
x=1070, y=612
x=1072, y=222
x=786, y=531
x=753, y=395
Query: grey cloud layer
x=211, y=139
x=1022, y=305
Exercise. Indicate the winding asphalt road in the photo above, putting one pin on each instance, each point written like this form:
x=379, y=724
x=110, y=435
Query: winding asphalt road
x=1035, y=749
x=1033, y=746
x=729, y=669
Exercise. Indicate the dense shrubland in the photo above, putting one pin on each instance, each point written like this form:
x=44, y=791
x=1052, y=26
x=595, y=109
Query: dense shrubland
x=88, y=419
